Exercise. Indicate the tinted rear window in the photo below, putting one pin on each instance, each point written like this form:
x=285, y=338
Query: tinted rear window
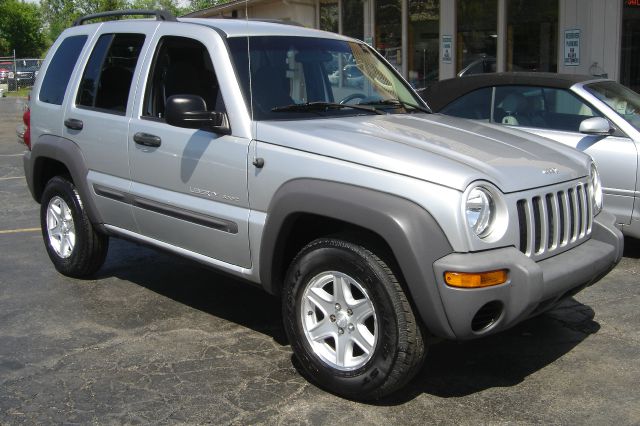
x=59, y=71
x=107, y=77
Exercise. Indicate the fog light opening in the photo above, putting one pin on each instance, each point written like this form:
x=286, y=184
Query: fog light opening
x=486, y=316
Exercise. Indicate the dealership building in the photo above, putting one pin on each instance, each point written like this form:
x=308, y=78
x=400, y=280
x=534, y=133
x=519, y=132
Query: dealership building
x=428, y=40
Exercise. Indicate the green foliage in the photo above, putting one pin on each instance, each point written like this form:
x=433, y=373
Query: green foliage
x=202, y=4
x=170, y=5
x=21, y=29
x=58, y=15
x=30, y=28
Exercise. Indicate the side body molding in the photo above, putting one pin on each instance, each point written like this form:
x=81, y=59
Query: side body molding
x=66, y=152
x=413, y=235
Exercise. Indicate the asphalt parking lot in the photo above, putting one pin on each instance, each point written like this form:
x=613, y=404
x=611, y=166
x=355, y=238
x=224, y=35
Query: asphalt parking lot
x=158, y=339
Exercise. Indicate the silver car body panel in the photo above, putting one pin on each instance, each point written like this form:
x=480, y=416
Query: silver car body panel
x=621, y=160
x=616, y=156
x=103, y=138
x=201, y=172
x=46, y=118
x=433, y=148
x=406, y=176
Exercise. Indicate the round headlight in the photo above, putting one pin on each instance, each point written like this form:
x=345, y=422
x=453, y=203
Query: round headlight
x=479, y=210
x=596, y=190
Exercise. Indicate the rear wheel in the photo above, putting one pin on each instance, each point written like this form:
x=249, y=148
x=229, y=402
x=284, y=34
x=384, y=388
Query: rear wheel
x=349, y=321
x=74, y=246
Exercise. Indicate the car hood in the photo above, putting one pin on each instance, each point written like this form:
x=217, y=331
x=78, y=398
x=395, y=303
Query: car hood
x=445, y=150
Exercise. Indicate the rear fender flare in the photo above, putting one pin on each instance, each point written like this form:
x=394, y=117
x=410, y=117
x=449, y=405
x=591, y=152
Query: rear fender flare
x=68, y=153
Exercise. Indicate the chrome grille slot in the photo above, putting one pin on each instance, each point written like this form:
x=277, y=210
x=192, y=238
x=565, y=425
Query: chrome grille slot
x=553, y=210
x=537, y=224
x=552, y=222
x=573, y=201
x=581, y=212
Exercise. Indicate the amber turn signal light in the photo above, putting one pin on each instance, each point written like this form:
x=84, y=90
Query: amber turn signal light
x=477, y=279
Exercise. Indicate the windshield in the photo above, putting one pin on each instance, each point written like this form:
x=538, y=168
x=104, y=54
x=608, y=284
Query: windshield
x=303, y=77
x=625, y=102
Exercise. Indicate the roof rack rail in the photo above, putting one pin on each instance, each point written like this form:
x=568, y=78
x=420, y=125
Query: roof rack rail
x=161, y=15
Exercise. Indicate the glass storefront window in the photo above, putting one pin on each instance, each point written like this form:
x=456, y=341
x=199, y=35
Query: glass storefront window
x=424, y=31
x=477, y=35
x=388, y=31
x=630, y=56
x=532, y=35
x=329, y=15
x=353, y=18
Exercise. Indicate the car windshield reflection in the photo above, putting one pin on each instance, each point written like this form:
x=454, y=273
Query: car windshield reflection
x=302, y=78
x=625, y=102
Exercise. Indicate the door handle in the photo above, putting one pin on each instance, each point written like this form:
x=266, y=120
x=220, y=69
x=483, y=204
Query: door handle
x=73, y=124
x=147, y=140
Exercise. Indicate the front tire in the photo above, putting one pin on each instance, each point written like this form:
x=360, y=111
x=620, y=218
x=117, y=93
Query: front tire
x=75, y=248
x=349, y=321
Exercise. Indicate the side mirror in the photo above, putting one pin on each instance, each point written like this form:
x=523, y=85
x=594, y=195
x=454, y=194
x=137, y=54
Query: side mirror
x=596, y=126
x=190, y=111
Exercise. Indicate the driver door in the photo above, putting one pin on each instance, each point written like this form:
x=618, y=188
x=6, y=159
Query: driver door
x=189, y=186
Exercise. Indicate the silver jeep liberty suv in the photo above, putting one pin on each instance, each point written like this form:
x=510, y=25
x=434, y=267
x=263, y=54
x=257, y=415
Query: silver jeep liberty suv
x=245, y=146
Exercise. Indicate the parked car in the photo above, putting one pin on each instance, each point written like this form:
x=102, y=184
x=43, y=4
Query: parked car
x=595, y=115
x=482, y=65
x=378, y=224
x=5, y=69
x=26, y=75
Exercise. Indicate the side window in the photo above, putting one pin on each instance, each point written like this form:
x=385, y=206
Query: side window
x=541, y=107
x=474, y=105
x=59, y=71
x=181, y=66
x=107, y=77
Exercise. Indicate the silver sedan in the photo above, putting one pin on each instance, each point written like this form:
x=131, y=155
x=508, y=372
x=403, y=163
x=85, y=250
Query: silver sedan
x=598, y=116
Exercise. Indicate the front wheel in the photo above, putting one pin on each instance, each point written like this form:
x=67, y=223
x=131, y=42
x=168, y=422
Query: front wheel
x=74, y=246
x=349, y=321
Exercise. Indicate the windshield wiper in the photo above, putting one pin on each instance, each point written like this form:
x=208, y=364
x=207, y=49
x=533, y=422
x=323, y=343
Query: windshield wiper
x=397, y=103
x=321, y=106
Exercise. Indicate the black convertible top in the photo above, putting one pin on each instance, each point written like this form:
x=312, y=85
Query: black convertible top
x=441, y=93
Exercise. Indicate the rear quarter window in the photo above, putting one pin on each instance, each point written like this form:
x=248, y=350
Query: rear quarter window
x=55, y=82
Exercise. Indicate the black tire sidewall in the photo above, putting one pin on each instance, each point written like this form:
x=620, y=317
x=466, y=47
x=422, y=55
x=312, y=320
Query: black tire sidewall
x=66, y=191
x=363, y=382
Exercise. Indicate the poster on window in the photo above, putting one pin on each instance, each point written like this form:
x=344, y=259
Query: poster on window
x=572, y=48
x=446, y=48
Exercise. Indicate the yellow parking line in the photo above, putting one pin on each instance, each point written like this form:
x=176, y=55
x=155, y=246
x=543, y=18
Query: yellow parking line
x=17, y=231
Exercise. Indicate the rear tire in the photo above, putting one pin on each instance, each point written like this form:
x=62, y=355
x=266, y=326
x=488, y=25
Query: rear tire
x=349, y=321
x=73, y=244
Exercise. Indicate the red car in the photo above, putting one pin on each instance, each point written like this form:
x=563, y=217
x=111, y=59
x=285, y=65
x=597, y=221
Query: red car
x=5, y=69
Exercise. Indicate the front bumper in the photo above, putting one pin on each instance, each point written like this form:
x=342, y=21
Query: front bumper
x=532, y=287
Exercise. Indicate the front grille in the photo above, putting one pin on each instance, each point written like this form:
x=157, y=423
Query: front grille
x=551, y=222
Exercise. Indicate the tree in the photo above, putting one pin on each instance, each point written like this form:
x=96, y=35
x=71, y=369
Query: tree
x=21, y=29
x=170, y=5
x=203, y=4
x=58, y=15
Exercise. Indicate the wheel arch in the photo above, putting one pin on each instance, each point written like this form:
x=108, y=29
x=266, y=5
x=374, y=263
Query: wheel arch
x=413, y=237
x=55, y=156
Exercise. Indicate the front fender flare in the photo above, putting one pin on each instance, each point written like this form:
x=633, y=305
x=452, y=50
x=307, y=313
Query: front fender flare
x=413, y=235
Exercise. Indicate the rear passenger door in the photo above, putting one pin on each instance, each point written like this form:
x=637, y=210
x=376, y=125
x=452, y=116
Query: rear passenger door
x=189, y=186
x=96, y=118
